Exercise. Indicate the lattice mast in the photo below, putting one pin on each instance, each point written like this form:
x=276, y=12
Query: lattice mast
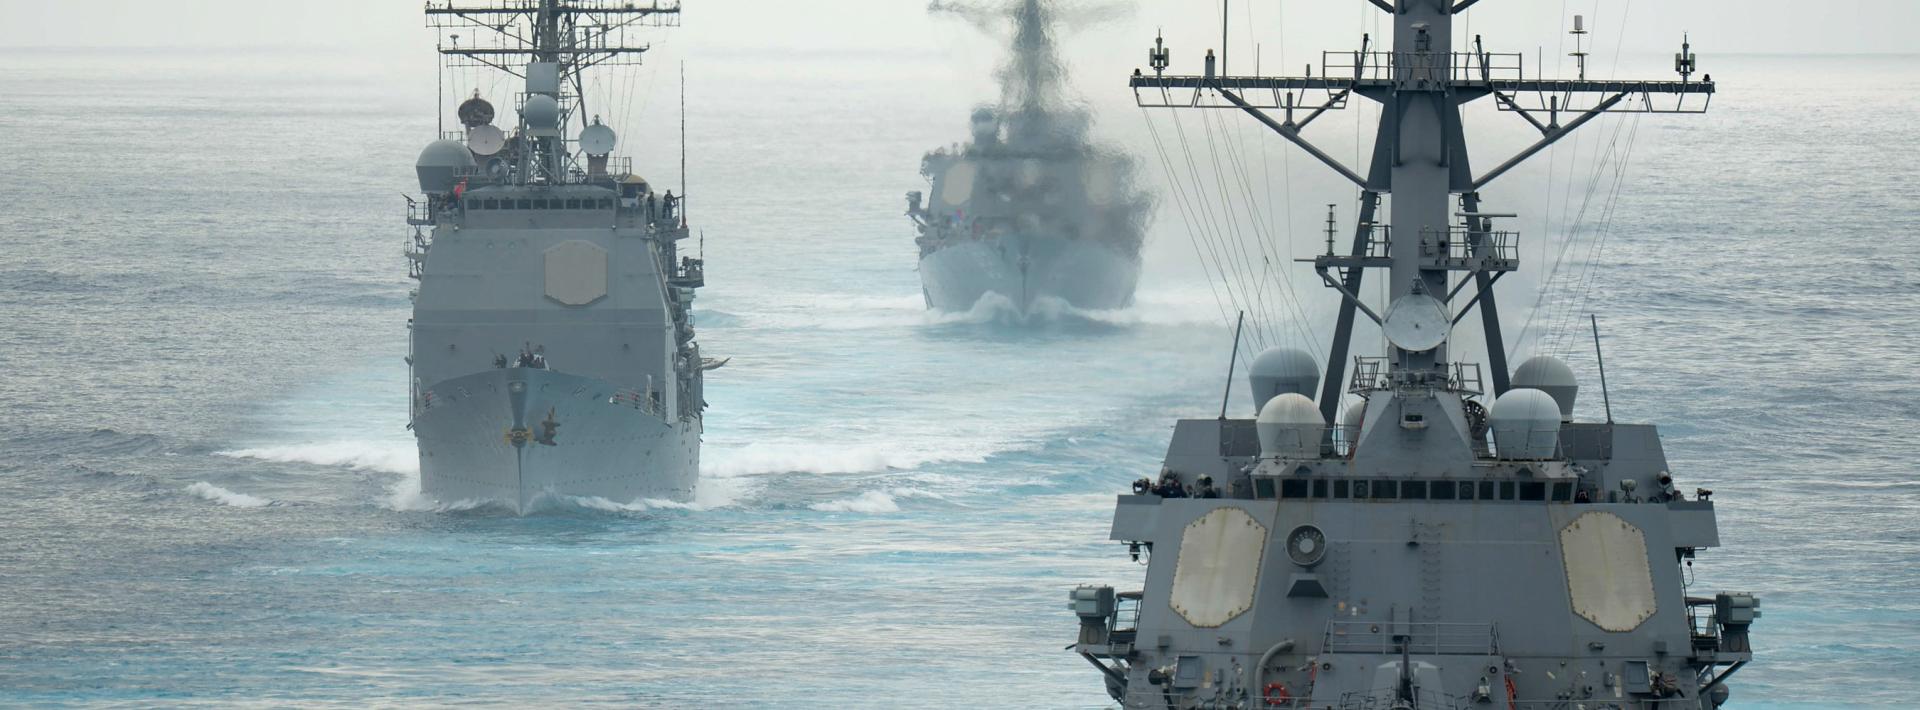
x=1420, y=157
x=550, y=44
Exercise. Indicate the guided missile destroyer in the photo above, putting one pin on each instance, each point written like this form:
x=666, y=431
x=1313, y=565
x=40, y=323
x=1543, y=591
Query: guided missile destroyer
x=1457, y=540
x=1029, y=208
x=553, y=348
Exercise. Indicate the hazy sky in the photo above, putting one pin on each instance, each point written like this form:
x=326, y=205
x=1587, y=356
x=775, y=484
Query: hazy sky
x=1771, y=26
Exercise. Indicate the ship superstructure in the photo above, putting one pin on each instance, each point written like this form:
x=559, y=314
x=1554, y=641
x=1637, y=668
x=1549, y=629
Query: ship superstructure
x=1029, y=208
x=1454, y=539
x=553, y=349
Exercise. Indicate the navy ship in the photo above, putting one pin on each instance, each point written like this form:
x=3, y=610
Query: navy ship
x=1029, y=209
x=1454, y=539
x=553, y=349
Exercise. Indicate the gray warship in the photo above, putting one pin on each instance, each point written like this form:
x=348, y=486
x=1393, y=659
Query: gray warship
x=1449, y=541
x=552, y=340
x=1028, y=208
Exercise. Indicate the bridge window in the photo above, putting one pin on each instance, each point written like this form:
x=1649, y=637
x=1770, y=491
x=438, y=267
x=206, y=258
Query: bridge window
x=1263, y=488
x=1562, y=491
x=525, y=204
x=1443, y=490
x=489, y=204
x=1319, y=488
x=1340, y=489
x=1533, y=490
x=1293, y=488
x=1361, y=489
x=1383, y=490
x=1413, y=490
x=1506, y=490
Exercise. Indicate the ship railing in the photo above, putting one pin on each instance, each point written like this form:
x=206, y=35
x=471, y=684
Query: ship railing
x=636, y=399
x=1453, y=248
x=1438, y=638
x=618, y=166
x=1431, y=67
x=1376, y=374
x=420, y=214
x=1342, y=440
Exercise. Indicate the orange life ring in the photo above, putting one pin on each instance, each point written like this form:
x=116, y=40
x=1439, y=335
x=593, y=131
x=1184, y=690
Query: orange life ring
x=1276, y=694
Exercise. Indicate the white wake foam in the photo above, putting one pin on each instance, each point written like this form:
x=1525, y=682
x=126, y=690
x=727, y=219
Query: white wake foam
x=386, y=457
x=226, y=497
x=868, y=502
x=760, y=459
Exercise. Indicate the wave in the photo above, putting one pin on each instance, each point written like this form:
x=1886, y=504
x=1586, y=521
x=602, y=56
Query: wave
x=223, y=496
x=868, y=502
x=384, y=457
x=807, y=458
x=399, y=459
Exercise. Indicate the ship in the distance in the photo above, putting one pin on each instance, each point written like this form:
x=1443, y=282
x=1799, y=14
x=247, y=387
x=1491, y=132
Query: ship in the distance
x=553, y=349
x=1029, y=209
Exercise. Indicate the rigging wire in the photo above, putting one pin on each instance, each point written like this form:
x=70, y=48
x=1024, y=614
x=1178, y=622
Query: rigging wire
x=1180, y=200
x=1213, y=232
x=1561, y=309
x=1286, y=292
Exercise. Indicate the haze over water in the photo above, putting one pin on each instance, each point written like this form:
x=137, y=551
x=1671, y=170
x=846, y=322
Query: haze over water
x=207, y=491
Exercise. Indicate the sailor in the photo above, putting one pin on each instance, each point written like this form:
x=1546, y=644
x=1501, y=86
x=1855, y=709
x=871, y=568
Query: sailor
x=670, y=201
x=652, y=206
x=1142, y=486
x=1170, y=487
x=1206, y=489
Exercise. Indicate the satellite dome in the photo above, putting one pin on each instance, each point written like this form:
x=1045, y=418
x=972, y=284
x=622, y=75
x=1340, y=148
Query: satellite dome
x=1550, y=375
x=1526, y=424
x=441, y=164
x=541, y=112
x=1281, y=370
x=1290, y=426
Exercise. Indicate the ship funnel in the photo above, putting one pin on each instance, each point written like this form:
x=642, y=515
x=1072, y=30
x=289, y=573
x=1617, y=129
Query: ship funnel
x=1290, y=427
x=1526, y=424
x=441, y=165
x=1279, y=371
x=1550, y=375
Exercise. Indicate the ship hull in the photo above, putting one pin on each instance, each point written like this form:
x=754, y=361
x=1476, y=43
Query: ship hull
x=481, y=437
x=1027, y=270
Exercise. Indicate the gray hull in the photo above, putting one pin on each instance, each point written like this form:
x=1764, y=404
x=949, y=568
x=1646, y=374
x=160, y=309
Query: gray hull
x=1027, y=270
x=607, y=444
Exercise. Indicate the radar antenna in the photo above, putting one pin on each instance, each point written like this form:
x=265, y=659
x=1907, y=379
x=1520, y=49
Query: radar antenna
x=1420, y=157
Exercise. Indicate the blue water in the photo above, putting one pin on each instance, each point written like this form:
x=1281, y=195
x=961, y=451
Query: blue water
x=207, y=493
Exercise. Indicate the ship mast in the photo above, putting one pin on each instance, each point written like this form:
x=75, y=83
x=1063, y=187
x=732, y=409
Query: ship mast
x=550, y=44
x=1421, y=159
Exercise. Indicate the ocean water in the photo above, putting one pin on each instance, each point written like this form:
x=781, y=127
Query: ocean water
x=207, y=494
